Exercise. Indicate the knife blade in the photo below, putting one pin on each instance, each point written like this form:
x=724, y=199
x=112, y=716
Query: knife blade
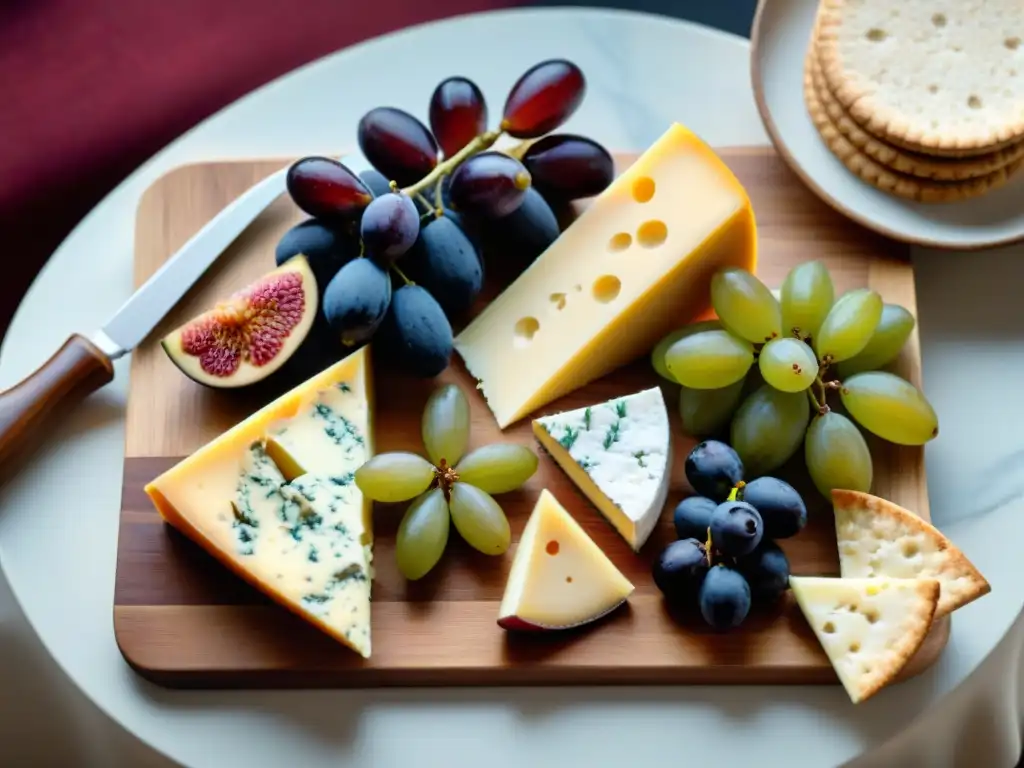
x=151, y=302
x=83, y=365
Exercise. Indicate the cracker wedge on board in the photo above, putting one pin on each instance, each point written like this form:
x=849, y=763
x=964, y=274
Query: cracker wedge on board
x=879, y=538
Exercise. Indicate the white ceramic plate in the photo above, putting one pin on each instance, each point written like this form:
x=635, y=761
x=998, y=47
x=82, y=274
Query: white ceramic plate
x=779, y=38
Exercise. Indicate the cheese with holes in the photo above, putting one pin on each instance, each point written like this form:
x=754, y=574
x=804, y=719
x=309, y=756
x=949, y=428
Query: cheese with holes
x=274, y=499
x=619, y=454
x=560, y=578
x=868, y=628
x=636, y=264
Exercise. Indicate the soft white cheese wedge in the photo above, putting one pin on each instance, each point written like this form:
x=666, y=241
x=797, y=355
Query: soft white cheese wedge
x=619, y=454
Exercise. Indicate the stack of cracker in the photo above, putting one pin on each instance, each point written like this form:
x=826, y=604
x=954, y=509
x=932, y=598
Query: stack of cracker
x=923, y=99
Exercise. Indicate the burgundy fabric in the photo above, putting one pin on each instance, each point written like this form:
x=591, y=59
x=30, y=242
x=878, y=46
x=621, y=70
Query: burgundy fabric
x=89, y=89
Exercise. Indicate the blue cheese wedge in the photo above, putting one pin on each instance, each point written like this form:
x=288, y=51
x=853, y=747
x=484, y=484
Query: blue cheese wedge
x=619, y=454
x=275, y=500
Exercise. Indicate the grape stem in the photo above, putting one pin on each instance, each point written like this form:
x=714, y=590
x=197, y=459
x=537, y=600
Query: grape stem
x=438, y=200
x=484, y=141
x=519, y=149
x=419, y=196
x=401, y=274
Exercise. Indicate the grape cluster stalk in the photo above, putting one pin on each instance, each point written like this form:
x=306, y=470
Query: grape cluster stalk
x=450, y=486
x=439, y=198
x=801, y=368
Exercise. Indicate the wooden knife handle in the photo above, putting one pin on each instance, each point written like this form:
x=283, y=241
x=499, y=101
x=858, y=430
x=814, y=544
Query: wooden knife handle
x=76, y=370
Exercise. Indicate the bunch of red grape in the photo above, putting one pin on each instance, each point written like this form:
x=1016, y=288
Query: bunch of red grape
x=398, y=251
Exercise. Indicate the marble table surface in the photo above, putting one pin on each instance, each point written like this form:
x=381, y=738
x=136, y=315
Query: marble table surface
x=58, y=527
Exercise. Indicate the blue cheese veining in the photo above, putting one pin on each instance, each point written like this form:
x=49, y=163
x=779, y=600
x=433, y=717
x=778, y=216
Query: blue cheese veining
x=275, y=500
x=619, y=454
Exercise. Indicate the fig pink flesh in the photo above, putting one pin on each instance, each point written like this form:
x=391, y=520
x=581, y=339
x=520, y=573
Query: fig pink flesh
x=252, y=326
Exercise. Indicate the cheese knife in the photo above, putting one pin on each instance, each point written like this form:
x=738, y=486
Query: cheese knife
x=85, y=364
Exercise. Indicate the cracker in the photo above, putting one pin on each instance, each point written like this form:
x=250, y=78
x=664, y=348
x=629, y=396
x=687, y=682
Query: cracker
x=868, y=628
x=903, y=161
x=879, y=538
x=887, y=180
x=929, y=75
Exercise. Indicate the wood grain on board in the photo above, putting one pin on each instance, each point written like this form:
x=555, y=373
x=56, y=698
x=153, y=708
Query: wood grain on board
x=183, y=620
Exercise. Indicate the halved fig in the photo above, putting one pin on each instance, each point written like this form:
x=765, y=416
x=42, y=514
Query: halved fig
x=252, y=333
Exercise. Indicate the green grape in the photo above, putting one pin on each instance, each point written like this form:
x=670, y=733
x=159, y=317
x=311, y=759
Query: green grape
x=498, y=468
x=767, y=429
x=894, y=328
x=396, y=476
x=479, y=519
x=788, y=364
x=745, y=305
x=891, y=407
x=807, y=296
x=709, y=359
x=837, y=455
x=848, y=326
x=705, y=411
x=422, y=534
x=446, y=424
x=658, y=353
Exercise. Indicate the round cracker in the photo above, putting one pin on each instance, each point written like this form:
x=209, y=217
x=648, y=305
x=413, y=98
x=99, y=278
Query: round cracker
x=929, y=76
x=885, y=179
x=910, y=163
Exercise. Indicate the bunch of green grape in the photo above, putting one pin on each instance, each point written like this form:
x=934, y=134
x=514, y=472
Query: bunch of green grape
x=452, y=485
x=772, y=367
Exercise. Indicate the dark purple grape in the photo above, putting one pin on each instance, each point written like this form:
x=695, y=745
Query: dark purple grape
x=766, y=569
x=566, y=167
x=397, y=144
x=680, y=569
x=389, y=227
x=713, y=469
x=490, y=184
x=376, y=181
x=779, y=504
x=327, y=249
x=356, y=301
x=326, y=189
x=458, y=113
x=693, y=516
x=523, y=235
x=543, y=98
x=415, y=335
x=445, y=262
x=724, y=598
x=736, y=528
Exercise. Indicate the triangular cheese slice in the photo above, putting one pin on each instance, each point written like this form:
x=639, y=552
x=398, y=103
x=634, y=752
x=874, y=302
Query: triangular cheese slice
x=305, y=543
x=560, y=578
x=869, y=628
x=879, y=538
x=619, y=454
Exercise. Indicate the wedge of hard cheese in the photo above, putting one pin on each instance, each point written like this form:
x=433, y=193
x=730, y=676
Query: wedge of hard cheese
x=879, y=538
x=636, y=264
x=560, y=578
x=618, y=453
x=274, y=499
x=868, y=628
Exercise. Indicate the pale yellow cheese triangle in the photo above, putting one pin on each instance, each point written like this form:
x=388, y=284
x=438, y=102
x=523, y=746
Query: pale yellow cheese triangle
x=560, y=578
x=879, y=538
x=274, y=500
x=868, y=628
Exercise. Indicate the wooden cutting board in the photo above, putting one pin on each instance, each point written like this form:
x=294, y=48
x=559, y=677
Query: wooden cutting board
x=183, y=620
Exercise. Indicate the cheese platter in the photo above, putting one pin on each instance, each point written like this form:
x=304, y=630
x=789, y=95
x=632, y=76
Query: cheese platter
x=521, y=473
